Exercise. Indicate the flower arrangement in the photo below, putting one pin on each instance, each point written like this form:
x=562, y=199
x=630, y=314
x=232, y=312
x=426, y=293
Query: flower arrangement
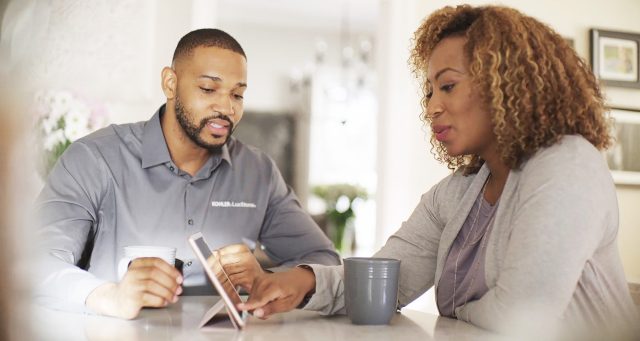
x=60, y=119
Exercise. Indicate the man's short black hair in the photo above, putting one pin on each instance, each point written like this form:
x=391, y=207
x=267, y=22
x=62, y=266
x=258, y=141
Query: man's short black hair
x=206, y=37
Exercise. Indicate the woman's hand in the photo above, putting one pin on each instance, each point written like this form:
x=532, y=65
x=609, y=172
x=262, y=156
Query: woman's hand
x=279, y=292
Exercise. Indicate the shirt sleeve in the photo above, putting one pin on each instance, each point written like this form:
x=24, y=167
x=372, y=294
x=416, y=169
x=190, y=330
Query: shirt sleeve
x=564, y=211
x=415, y=244
x=288, y=233
x=67, y=216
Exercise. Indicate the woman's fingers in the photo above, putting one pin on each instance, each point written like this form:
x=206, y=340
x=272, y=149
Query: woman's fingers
x=260, y=296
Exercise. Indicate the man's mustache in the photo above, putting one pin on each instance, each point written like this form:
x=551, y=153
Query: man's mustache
x=204, y=121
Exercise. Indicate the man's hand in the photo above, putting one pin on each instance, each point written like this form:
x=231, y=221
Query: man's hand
x=239, y=263
x=149, y=282
x=279, y=292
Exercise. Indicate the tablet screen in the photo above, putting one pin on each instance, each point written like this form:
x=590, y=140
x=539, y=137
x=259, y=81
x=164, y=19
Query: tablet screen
x=221, y=275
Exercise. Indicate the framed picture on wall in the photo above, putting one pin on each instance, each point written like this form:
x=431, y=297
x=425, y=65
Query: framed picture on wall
x=615, y=57
x=624, y=156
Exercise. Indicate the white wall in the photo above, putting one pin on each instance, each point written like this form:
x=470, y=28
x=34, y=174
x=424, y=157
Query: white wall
x=108, y=52
x=406, y=168
x=169, y=21
x=112, y=51
x=274, y=53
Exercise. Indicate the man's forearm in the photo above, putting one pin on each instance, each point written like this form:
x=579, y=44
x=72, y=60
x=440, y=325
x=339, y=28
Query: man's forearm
x=62, y=286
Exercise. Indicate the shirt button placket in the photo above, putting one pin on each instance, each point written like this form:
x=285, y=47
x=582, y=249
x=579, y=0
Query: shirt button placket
x=189, y=209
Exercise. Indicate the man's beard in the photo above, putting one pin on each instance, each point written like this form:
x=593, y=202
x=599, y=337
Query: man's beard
x=193, y=130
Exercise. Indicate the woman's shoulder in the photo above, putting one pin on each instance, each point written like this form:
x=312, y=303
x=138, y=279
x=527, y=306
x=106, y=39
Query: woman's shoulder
x=571, y=161
x=571, y=151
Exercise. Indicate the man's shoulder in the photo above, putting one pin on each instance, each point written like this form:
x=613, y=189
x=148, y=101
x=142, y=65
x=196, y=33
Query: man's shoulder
x=113, y=135
x=106, y=144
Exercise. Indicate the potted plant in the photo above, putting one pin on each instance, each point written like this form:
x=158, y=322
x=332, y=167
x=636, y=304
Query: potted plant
x=339, y=214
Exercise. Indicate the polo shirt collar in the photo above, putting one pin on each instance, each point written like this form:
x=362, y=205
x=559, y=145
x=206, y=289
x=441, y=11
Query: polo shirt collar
x=154, y=146
x=225, y=155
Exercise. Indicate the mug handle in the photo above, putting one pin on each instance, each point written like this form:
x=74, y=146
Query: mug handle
x=123, y=266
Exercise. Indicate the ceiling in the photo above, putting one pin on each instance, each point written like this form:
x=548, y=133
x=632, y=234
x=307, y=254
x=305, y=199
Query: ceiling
x=302, y=14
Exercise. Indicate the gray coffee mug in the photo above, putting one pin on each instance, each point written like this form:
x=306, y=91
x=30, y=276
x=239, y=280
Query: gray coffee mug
x=371, y=289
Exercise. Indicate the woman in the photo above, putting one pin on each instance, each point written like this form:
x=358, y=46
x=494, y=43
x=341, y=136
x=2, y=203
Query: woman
x=526, y=225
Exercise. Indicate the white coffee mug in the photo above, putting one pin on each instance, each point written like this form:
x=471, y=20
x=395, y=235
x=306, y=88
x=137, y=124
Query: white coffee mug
x=168, y=254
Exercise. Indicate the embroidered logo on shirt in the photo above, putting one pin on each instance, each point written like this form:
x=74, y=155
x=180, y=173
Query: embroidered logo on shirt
x=240, y=204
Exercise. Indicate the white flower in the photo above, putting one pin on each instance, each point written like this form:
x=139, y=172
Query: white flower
x=76, y=123
x=53, y=139
x=58, y=107
x=60, y=119
x=48, y=125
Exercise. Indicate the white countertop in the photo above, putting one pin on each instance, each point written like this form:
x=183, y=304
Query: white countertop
x=180, y=322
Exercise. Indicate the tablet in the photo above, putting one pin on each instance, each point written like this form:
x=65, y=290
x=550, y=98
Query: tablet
x=228, y=293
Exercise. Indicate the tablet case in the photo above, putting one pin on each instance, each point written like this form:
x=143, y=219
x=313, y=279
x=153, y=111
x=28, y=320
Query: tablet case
x=217, y=318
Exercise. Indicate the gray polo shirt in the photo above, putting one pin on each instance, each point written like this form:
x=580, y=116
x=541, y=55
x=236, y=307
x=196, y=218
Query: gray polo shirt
x=119, y=187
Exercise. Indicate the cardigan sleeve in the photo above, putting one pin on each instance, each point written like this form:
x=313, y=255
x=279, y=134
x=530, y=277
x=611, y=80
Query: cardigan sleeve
x=566, y=208
x=416, y=245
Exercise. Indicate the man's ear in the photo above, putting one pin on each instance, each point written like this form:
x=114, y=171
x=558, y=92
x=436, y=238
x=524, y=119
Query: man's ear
x=169, y=82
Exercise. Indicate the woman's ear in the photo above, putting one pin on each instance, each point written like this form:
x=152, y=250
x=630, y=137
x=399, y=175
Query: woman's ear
x=169, y=82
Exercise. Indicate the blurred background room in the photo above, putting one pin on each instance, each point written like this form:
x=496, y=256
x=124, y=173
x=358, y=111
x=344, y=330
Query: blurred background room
x=330, y=94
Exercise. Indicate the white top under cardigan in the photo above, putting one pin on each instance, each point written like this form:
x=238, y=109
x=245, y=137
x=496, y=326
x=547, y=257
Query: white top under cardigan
x=552, y=255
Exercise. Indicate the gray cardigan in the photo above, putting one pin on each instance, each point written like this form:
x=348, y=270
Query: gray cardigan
x=552, y=255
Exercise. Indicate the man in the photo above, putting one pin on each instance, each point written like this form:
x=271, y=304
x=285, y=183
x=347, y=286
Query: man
x=157, y=182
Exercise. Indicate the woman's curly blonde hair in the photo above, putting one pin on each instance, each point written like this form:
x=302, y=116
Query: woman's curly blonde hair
x=532, y=82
